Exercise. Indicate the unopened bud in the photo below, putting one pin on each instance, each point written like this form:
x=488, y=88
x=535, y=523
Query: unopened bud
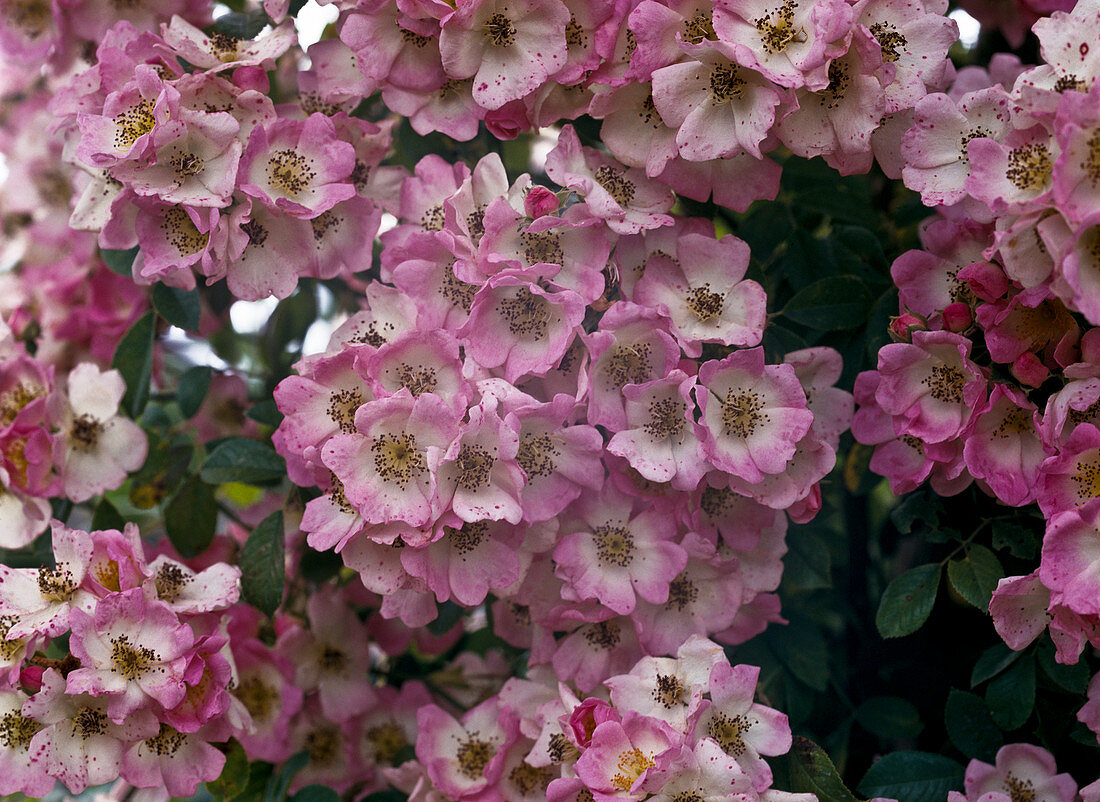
x=1028, y=370
x=903, y=326
x=958, y=316
x=986, y=280
x=539, y=201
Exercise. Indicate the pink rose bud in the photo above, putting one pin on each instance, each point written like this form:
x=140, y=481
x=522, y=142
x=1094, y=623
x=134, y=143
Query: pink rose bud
x=31, y=678
x=539, y=201
x=509, y=121
x=903, y=326
x=958, y=316
x=986, y=280
x=1028, y=370
x=588, y=715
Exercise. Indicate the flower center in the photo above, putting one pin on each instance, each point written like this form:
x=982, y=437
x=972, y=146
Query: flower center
x=682, y=592
x=341, y=408
x=528, y=778
x=33, y=17
x=703, y=303
x=16, y=730
x=536, y=455
x=1019, y=790
x=468, y=537
x=337, y=495
x=716, y=501
x=603, y=635
x=632, y=764
x=166, y=742
x=1069, y=82
x=289, y=171
x=474, y=465
x=500, y=30
x=1029, y=166
x=257, y=697
x=324, y=223
x=542, y=247
x=332, y=660
x=133, y=123
x=1015, y=422
x=629, y=364
x=666, y=418
x=386, y=741
x=224, y=46
x=728, y=733
x=56, y=584
x=619, y=188
x=474, y=755
x=669, y=691
x=561, y=749
x=186, y=164
x=9, y=649
x=888, y=39
x=839, y=81
x=84, y=433
x=170, y=582
x=527, y=314
x=776, y=35
x=458, y=292
x=397, y=459
x=946, y=384
x=699, y=27
x=131, y=661
x=256, y=231
x=13, y=400
x=433, y=219
x=413, y=38
x=614, y=545
x=974, y=133
x=726, y=83
x=741, y=413
x=1091, y=164
x=418, y=379
x=323, y=744
x=89, y=721
x=1087, y=477
x=180, y=231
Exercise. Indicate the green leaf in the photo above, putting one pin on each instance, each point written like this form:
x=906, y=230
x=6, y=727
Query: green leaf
x=276, y=787
x=234, y=777
x=316, y=793
x=1020, y=540
x=134, y=360
x=106, y=516
x=801, y=647
x=807, y=564
x=970, y=725
x=975, y=577
x=179, y=307
x=993, y=661
x=242, y=25
x=449, y=613
x=912, y=777
x=813, y=772
x=831, y=304
x=916, y=507
x=889, y=717
x=908, y=601
x=120, y=262
x=241, y=460
x=263, y=570
x=193, y=386
x=1074, y=678
x=266, y=412
x=1011, y=696
x=191, y=517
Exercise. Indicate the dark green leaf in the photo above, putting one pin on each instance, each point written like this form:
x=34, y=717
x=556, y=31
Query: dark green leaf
x=193, y=386
x=241, y=26
x=807, y=563
x=812, y=772
x=266, y=412
x=191, y=517
x=315, y=793
x=802, y=648
x=134, y=360
x=262, y=564
x=831, y=304
x=120, y=262
x=1011, y=696
x=234, y=776
x=975, y=577
x=106, y=517
x=970, y=726
x=993, y=661
x=1019, y=539
x=276, y=787
x=449, y=613
x=179, y=307
x=889, y=717
x=912, y=777
x=1074, y=678
x=917, y=507
x=243, y=460
x=389, y=795
x=908, y=601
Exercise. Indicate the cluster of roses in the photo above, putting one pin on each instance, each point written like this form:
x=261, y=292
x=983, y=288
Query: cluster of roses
x=493, y=423
x=1021, y=770
x=996, y=377
x=692, y=91
x=144, y=685
x=683, y=727
x=57, y=439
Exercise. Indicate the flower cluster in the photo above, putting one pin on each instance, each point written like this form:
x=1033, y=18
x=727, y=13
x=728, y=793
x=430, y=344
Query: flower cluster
x=683, y=727
x=144, y=685
x=994, y=377
x=1020, y=770
x=615, y=472
x=63, y=439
